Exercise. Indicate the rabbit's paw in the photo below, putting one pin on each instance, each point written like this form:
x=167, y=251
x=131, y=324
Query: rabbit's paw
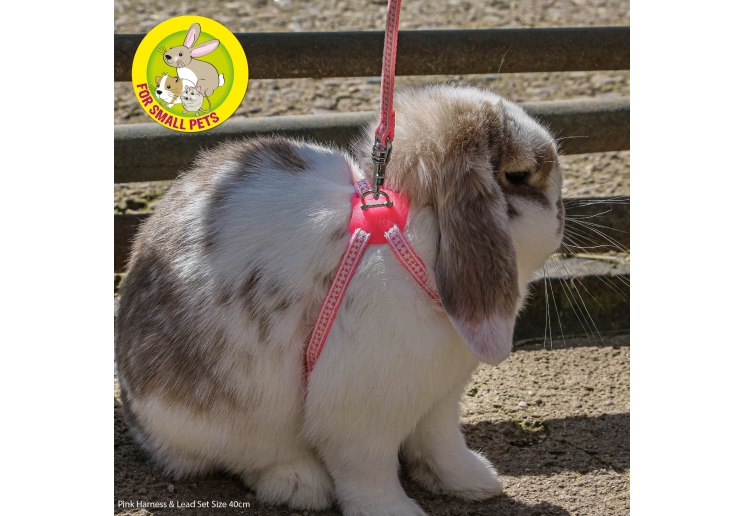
x=301, y=485
x=405, y=507
x=472, y=477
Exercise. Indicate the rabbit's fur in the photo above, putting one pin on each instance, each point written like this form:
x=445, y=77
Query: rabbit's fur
x=227, y=277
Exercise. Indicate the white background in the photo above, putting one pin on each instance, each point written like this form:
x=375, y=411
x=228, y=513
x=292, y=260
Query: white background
x=56, y=325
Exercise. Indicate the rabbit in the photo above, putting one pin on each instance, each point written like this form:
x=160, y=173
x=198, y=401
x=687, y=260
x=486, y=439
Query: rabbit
x=198, y=73
x=227, y=277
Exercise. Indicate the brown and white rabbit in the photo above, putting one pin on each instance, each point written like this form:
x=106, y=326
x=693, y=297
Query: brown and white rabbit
x=198, y=73
x=228, y=275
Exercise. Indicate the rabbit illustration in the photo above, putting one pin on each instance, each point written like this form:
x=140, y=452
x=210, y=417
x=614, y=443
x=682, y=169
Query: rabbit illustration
x=199, y=73
x=227, y=277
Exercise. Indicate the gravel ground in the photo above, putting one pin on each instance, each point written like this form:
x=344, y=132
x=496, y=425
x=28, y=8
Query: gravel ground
x=304, y=96
x=555, y=423
x=595, y=174
x=565, y=454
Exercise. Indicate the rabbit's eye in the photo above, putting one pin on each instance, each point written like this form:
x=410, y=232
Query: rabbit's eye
x=167, y=86
x=180, y=54
x=516, y=178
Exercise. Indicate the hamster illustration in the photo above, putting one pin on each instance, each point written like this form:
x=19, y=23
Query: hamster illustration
x=200, y=73
x=193, y=100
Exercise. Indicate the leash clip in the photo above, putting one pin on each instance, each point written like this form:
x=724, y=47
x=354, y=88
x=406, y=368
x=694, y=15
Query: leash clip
x=380, y=159
x=376, y=194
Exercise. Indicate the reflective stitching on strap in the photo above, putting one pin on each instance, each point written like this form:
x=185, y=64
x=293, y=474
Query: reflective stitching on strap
x=386, y=128
x=362, y=186
x=332, y=301
x=401, y=248
x=411, y=261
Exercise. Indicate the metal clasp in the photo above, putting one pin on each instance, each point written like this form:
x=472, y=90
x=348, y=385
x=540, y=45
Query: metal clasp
x=380, y=158
x=376, y=195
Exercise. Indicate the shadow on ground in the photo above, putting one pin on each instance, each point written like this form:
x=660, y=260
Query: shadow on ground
x=539, y=448
x=534, y=447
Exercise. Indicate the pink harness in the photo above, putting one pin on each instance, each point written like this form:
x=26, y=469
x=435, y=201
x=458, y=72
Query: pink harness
x=367, y=227
x=373, y=223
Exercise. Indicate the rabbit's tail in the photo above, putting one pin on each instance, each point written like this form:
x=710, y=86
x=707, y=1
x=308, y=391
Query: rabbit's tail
x=222, y=80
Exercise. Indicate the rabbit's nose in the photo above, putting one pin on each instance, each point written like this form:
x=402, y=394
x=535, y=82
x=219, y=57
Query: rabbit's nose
x=167, y=57
x=158, y=92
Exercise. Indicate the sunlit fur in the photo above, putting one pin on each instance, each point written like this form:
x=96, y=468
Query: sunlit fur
x=227, y=277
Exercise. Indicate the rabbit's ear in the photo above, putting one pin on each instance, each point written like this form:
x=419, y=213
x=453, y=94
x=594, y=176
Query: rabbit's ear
x=476, y=269
x=157, y=81
x=192, y=35
x=205, y=48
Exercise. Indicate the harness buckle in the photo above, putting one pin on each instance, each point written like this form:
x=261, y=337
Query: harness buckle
x=376, y=194
x=380, y=158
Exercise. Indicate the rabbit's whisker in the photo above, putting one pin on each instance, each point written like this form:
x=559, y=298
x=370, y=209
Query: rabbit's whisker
x=591, y=216
x=575, y=280
x=612, y=287
x=580, y=203
x=588, y=243
x=548, y=329
x=574, y=304
x=594, y=224
x=590, y=265
x=557, y=313
x=583, y=238
x=607, y=238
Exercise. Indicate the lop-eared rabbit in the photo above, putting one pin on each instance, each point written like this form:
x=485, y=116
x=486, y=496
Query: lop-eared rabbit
x=227, y=277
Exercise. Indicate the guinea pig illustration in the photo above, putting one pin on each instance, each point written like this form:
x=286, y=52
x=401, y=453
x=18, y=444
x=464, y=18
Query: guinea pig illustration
x=200, y=73
x=169, y=88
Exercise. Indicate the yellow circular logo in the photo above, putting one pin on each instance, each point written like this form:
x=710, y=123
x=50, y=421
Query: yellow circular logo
x=190, y=73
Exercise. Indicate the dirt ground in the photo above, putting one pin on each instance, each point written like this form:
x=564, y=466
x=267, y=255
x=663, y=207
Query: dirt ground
x=566, y=449
x=554, y=422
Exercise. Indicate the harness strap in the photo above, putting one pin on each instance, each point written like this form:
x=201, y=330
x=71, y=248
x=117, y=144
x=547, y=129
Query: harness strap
x=362, y=186
x=328, y=310
x=404, y=252
x=358, y=242
x=378, y=222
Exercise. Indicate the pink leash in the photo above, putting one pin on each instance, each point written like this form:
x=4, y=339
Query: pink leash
x=382, y=224
x=386, y=128
x=385, y=131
